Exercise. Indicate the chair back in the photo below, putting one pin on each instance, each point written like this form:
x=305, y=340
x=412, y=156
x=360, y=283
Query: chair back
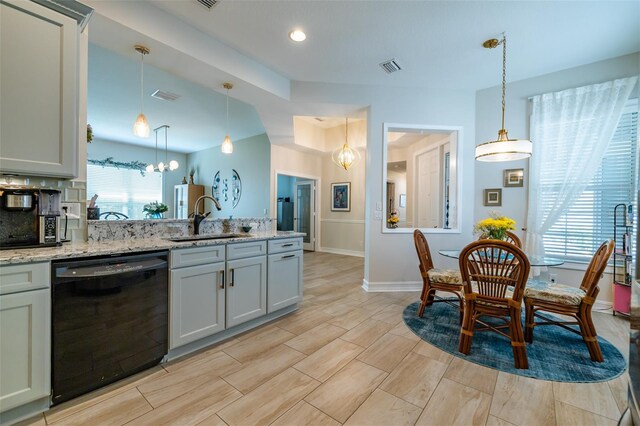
x=512, y=238
x=596, y=268
x=424, y=255
x=494, y=267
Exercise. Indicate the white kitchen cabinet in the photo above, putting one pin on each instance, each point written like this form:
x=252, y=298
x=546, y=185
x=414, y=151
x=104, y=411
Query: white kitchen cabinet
x=284, y=280
x=197, y=303
x=39, y=86
x=25, y=352
x=246, y=288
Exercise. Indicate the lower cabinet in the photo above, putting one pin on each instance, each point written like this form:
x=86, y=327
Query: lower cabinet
x=285, y=280
x=246, y=289
x=25, y=352
x=197, y=303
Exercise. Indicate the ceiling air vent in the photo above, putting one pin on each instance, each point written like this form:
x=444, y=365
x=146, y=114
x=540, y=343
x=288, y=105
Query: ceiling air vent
x=165, y=96
x=208, y=3
x=390, y=66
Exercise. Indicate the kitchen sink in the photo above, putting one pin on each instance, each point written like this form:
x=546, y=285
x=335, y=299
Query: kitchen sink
x=207, y=237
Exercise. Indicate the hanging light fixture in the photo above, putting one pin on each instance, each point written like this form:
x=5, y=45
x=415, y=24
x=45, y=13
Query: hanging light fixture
x=502, y=149
x=227, y=145
x=346, y=156
x=166, y=165
x=141, y=126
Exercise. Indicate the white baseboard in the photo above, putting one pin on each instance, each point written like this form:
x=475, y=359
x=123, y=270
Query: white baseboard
x=342, y=252
x=391, y=286
x=602, y=306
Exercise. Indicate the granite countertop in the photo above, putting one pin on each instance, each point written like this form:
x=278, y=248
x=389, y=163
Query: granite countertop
x=86, y=249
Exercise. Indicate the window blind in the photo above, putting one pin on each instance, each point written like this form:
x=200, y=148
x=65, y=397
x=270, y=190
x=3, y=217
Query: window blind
x=588, y=221
x=123, y=190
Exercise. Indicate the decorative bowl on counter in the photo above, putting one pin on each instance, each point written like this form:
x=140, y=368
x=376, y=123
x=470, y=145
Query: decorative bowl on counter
x=246, y=228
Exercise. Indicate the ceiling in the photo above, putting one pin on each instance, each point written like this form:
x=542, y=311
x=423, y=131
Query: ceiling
x=438, y=44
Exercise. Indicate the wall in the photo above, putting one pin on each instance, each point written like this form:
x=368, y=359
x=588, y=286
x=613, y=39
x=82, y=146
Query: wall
x=488, y=175
x=100, y=149
x=286, y=187
x=251, y=158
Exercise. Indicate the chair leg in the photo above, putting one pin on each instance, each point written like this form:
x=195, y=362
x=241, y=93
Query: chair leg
x=517, y=340
x=466, y=331
x=589, y=334
x=426, y=299
x=529, y=320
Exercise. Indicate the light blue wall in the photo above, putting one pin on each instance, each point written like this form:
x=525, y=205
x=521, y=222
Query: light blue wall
x=251, y=158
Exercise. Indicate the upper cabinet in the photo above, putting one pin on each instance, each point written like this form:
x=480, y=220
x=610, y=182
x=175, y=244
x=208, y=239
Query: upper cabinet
x=39, y=86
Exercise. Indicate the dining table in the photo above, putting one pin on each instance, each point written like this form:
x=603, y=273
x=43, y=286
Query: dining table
x=533, y=260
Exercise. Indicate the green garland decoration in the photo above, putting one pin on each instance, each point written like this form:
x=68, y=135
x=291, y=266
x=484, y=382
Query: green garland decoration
x=109, y=162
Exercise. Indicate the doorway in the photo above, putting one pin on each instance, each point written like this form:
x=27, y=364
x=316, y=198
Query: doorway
x=297, y=207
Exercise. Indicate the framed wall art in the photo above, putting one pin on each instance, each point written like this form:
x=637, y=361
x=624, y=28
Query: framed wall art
x=513, y=178
x=493, y=197
x=341, y=197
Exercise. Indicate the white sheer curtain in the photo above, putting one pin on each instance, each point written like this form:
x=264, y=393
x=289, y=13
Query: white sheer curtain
x=570, y=131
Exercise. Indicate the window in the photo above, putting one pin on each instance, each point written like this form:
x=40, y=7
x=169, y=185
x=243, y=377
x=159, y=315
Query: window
x=123, y=190
x=588, y=221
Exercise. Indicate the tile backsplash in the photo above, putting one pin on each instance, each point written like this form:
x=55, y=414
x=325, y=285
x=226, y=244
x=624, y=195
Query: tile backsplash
x=73, y=193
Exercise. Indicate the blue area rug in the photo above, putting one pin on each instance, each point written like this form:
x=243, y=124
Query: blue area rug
x=556, y=354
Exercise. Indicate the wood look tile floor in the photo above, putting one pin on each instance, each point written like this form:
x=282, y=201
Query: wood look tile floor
x=345, y=357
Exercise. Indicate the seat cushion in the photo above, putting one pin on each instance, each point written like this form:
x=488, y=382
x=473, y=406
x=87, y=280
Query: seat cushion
x=445, y=276
x=553, y=292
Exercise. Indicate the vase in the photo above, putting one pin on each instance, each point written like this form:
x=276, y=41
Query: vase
x=155, y=216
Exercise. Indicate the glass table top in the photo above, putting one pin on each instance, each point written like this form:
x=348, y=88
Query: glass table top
x=533, y=260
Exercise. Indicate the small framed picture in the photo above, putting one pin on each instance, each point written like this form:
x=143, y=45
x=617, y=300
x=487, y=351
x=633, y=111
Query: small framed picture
x=341, y=197
x=513, y=178
x=493, y=197
x=403, y=200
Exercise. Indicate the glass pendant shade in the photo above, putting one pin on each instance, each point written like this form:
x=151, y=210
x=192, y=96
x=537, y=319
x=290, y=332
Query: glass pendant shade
x=173, y=164
x=504, y=149
x=150, y=168
x=141, y=126
x=346, y=156
x=227, y=145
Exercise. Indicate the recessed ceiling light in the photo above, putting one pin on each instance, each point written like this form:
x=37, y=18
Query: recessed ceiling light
x=297, y=35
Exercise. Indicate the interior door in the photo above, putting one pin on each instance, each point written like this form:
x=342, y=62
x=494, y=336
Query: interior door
x=304, y=212
x=428, y=186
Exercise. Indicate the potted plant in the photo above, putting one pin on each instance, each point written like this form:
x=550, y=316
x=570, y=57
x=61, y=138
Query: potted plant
x=494, y=227
x=154, y=210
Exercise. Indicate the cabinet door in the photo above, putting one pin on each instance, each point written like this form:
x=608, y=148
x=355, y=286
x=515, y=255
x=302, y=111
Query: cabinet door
x=39, y=85
x=285, y=280
x=246, y=289
x=25, y=352
x=196, y=308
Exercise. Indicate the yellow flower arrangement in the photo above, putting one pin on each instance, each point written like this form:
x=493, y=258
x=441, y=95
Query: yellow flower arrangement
x=495, y=227
x=393, y=219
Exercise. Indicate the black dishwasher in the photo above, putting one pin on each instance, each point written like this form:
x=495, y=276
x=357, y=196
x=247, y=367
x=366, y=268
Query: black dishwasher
x=110, y=320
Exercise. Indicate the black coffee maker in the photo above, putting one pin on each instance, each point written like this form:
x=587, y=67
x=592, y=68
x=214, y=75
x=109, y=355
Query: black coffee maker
x=29, y=217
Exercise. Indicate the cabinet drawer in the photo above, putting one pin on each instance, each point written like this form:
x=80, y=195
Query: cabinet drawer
x=193, y=256
x=284, y=280
x=288, y=244
x=248, y=249
x=24, y=277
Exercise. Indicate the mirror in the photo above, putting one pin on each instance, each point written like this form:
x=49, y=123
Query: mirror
x=420, y=183
x=196, y=116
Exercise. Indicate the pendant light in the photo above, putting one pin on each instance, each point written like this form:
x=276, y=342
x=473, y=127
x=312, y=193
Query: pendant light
x=141, y=126
x=166, y=165
x=346, y=156
x=227, y=145
x=503, y=149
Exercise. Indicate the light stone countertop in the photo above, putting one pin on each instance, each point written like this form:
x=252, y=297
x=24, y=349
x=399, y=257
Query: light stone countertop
x=73, y=250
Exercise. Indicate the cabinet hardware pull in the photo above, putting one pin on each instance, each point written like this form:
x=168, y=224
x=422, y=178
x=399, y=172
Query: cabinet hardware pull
x=289, y=255
x=287, y=245
x=222, y=279
x=233, y=277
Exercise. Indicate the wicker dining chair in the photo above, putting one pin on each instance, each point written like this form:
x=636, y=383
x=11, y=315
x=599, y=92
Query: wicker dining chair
x=447, y=280
x=512, y=238
x=495, y=275
x=571, y=301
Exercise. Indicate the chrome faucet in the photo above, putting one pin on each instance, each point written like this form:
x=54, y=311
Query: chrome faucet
x=197, y=218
